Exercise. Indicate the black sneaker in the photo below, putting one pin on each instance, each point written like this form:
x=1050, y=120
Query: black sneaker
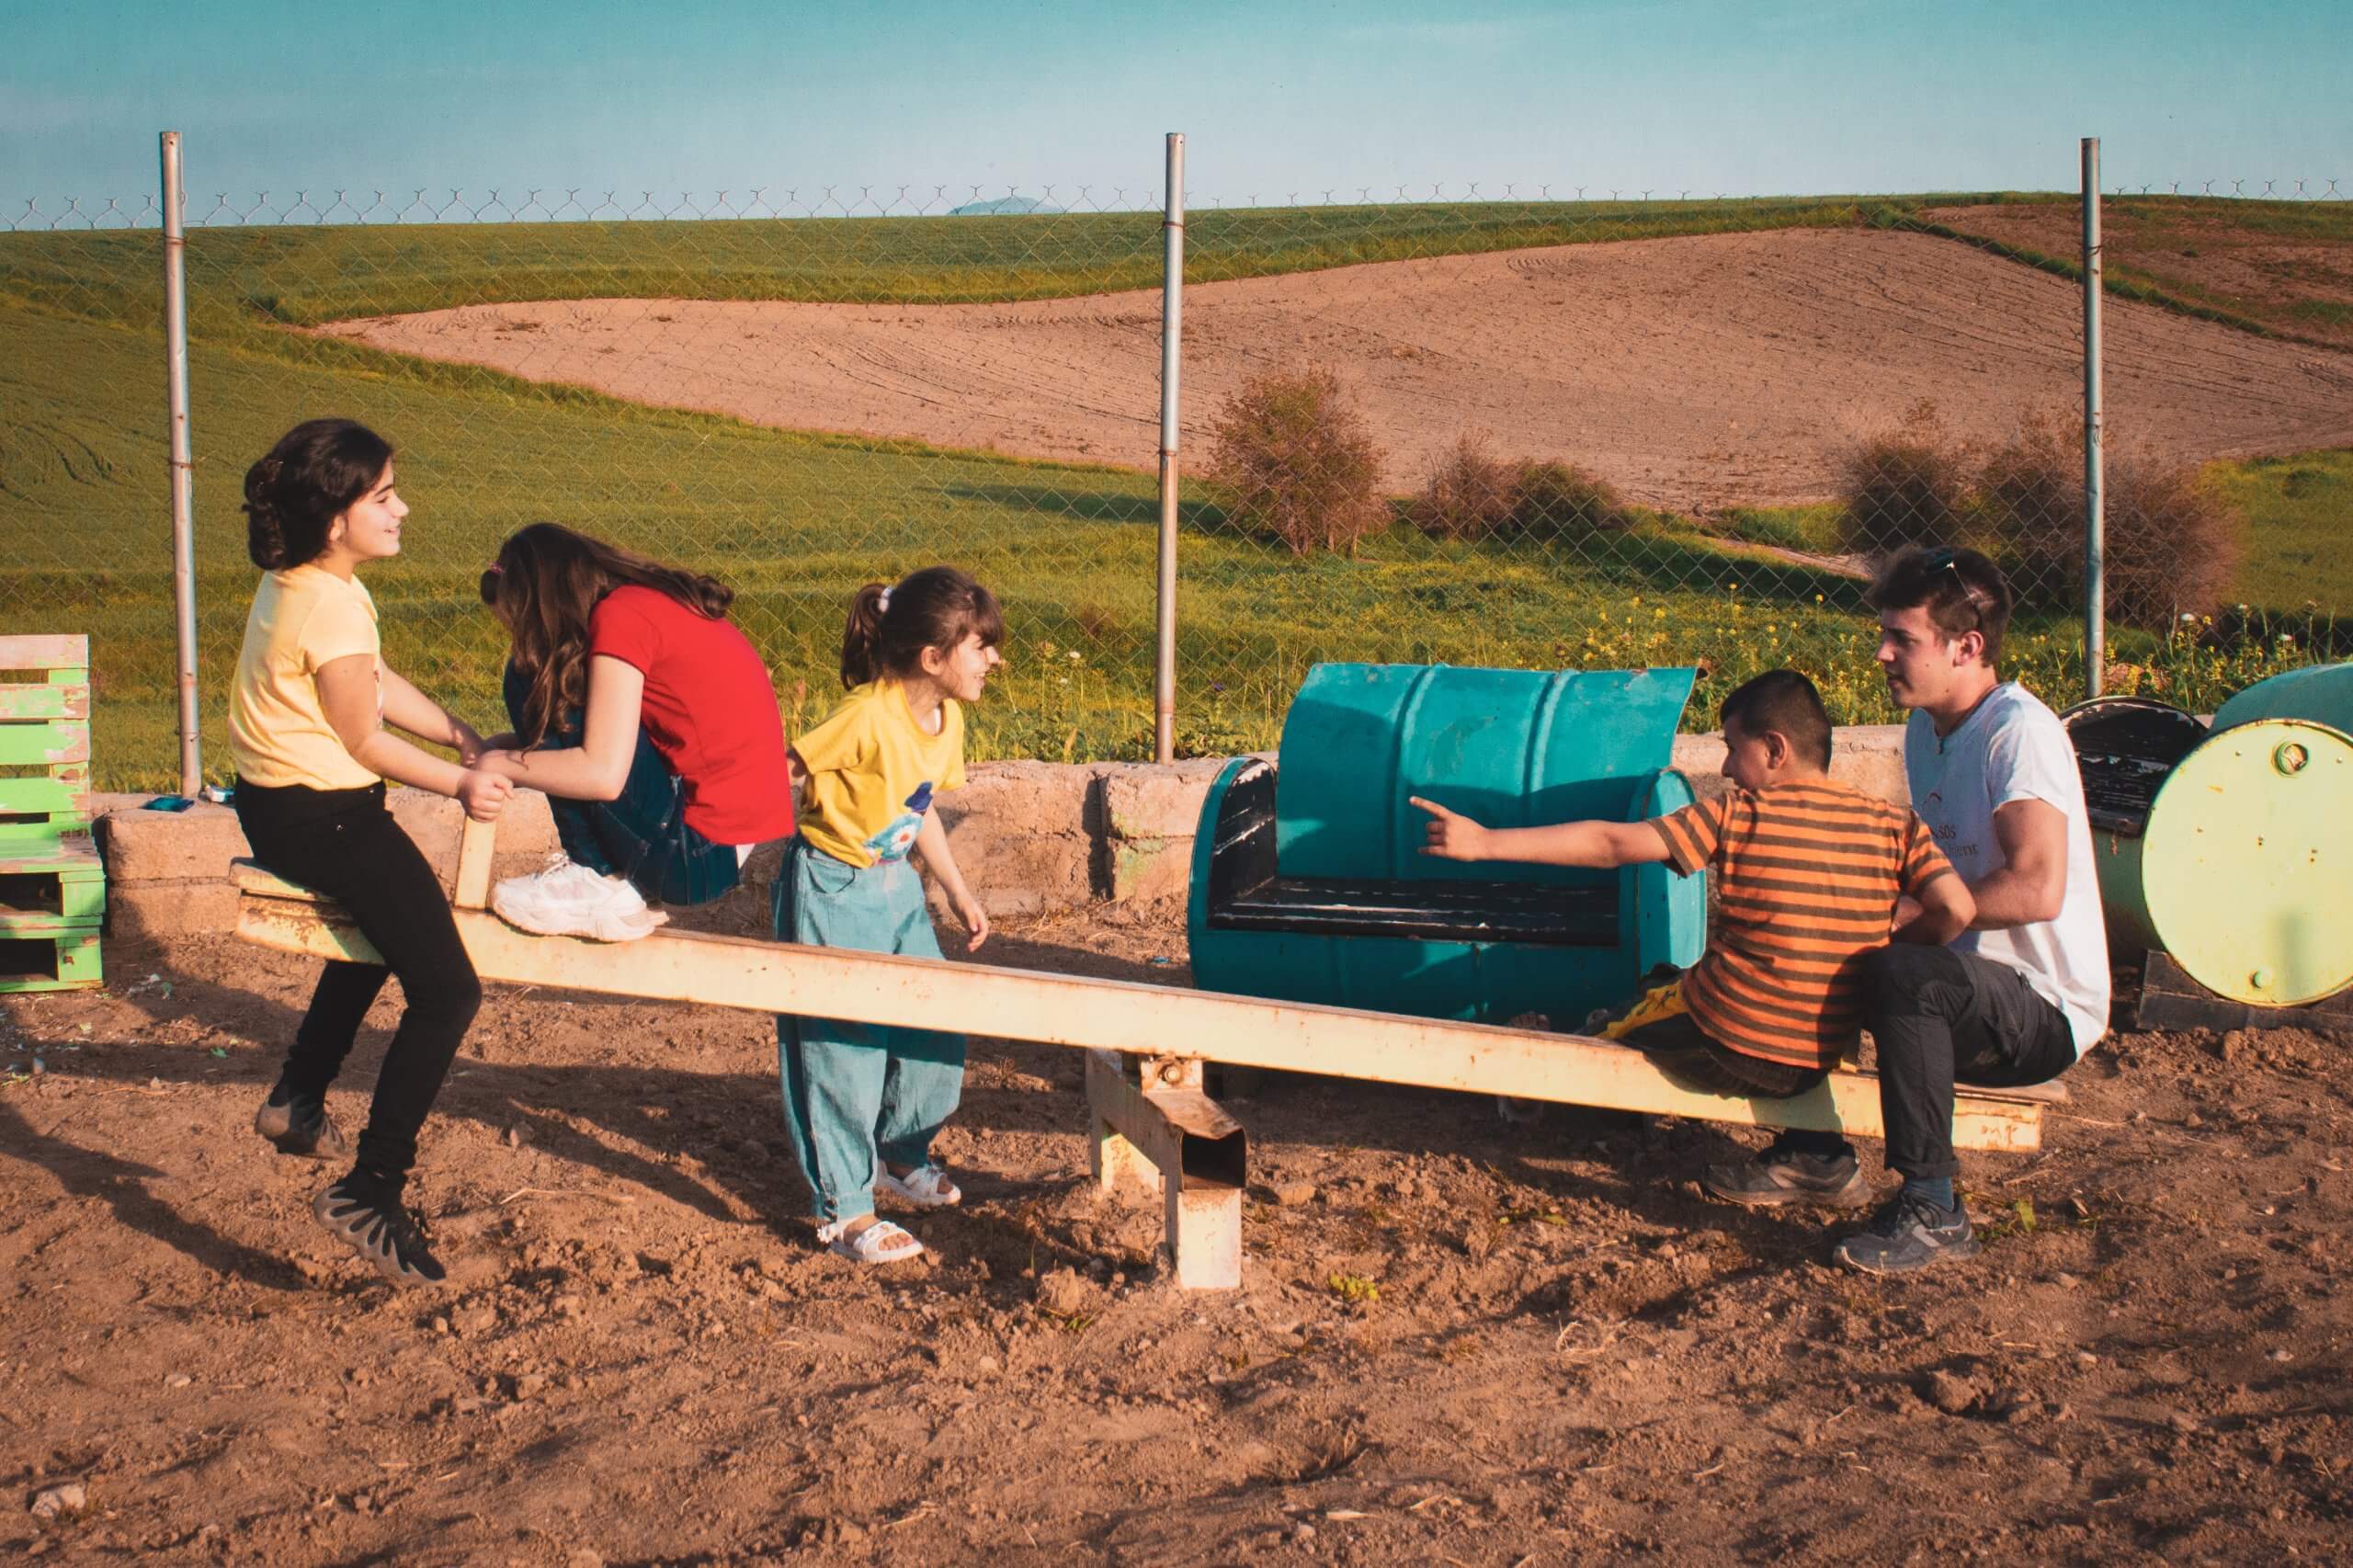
x=1776, y=1175
x=299, y=1124
x=1908, y=1234
x=381, y=1230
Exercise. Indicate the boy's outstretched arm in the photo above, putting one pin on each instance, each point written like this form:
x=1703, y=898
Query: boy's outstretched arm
x=1600, y=844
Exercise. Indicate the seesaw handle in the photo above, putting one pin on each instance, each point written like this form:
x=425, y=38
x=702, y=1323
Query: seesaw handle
x=474, y=844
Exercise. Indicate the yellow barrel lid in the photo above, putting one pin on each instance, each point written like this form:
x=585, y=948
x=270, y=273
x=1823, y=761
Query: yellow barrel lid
x=2247, y=863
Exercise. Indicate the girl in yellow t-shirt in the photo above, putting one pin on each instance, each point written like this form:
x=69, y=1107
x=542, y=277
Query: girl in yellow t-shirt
x=863, y=1101
x=307, y=726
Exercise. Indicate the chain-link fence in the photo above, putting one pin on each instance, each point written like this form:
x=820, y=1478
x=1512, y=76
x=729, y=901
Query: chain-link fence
x=1549, y=428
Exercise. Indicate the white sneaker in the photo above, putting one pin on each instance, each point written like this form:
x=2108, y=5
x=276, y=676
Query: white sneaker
x=570, y=900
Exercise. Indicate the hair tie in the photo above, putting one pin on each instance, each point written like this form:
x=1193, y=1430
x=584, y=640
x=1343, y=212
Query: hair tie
x=882, y=605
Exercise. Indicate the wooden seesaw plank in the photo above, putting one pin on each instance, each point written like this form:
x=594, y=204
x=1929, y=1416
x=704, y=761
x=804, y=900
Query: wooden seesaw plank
x=1105, y=1014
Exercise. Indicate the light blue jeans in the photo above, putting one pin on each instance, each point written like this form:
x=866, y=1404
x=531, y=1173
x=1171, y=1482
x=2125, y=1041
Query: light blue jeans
x=854, y=1092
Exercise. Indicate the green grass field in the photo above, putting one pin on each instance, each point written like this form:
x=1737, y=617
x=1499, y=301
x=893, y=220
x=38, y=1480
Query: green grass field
x=304, y=275
x=795, y=522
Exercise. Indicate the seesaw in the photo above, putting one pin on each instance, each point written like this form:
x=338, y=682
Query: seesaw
x=1145, y=1044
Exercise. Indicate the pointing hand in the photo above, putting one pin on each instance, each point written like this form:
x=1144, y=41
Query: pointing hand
x=1451, y=836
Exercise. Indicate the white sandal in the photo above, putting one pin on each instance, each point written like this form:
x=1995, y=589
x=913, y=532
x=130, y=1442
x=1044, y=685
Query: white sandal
x=880, y=1242
x=925, y=1186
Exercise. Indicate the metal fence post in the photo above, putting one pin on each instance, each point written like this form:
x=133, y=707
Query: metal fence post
x=2095, y=518
x=183, y=460
x=1172, y=298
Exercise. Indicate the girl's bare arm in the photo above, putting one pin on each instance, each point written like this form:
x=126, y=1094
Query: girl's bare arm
x=931, y=843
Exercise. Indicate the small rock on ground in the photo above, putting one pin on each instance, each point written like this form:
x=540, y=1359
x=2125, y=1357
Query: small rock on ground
x=1062, y=1292
x=52, y=1501
x=1950, y=1394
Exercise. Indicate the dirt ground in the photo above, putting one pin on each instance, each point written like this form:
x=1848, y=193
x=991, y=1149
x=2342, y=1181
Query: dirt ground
x=1690, y=372
x=1457, y=1342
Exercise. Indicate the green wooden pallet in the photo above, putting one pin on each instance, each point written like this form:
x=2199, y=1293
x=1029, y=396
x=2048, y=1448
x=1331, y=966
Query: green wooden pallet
x=52, y=885
x=64, y=887
x=61, y=960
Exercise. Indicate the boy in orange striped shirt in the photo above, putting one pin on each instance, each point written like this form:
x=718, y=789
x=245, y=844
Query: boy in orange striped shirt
x=1810, y=875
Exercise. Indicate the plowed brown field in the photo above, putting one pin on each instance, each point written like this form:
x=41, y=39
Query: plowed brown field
x=1691, y=372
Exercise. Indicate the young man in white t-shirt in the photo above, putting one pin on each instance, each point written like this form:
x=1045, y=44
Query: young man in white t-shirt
x=2020, y=995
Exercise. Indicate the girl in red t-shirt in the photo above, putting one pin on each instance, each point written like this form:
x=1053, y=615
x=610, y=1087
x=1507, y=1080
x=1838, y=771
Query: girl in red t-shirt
x=648, y=721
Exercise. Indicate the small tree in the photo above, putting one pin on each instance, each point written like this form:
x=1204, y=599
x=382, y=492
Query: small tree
x=1297, y=461
x=1906, y=486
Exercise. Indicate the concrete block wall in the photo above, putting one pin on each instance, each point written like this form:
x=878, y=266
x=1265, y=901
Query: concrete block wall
x=167, y=872
x=1032, y=838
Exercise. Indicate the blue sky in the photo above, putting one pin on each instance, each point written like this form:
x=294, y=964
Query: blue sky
x=1739, y=96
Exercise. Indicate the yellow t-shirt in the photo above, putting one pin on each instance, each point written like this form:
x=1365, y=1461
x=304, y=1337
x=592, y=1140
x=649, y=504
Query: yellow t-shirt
x=873, y=774
x=301, y=618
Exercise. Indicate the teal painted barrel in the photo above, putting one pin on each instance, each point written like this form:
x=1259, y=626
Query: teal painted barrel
x=2319, y=694
x=1309, y=883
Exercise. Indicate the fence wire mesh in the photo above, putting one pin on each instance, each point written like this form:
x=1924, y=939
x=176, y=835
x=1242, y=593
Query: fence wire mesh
x=1565, y=429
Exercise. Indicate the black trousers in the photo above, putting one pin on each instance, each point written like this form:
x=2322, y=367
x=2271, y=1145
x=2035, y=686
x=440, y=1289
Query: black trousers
x=344, y=843
x=1942, y=1017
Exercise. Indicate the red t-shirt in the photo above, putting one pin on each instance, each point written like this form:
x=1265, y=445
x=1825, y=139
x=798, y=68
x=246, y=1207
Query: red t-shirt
x=709, y=710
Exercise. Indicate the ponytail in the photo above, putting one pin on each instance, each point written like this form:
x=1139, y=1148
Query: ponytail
x=862, y=636
x=890, y=626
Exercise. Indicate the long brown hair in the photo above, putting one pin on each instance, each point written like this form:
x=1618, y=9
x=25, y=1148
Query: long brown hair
x=890, y=626
x=546, y=583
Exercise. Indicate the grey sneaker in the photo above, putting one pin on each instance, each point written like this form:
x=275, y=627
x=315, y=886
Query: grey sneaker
x=381, y=1230
x=1908, y=1234
x=299, y=1124
x=1776, y=1176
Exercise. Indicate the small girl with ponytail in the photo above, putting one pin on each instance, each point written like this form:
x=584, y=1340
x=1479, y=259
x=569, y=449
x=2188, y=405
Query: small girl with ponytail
x=307, y=726
x=863, y=1102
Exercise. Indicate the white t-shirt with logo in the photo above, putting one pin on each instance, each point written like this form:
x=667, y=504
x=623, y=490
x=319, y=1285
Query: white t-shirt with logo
x=2014, y=748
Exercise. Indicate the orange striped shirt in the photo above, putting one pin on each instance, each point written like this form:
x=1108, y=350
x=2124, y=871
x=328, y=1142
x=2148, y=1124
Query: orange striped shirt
x=1807, y=876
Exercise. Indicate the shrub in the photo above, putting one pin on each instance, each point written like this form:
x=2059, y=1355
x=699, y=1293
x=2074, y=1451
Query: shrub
x=1297, y=461
x=1906, y=486
x=1471, y=493
x=2037, y=477
x=1557, y=501
x=2033, y=490
x=2170, y=543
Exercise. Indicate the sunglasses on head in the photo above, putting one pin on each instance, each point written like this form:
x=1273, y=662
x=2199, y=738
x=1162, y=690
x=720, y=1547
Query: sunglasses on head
x=1949, y=561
